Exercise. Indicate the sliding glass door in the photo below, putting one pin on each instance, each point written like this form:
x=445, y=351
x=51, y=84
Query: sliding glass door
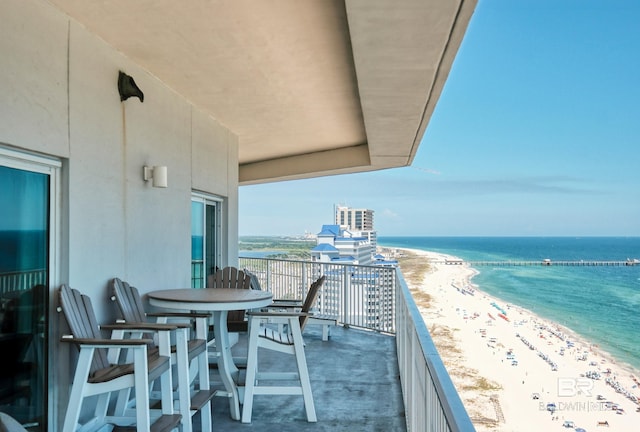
x=26, y=187
x=205, y=238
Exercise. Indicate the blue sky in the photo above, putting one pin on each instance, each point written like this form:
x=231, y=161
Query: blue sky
x=536, y=133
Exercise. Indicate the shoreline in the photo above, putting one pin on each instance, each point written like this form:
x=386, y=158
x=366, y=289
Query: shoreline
x=501, y=355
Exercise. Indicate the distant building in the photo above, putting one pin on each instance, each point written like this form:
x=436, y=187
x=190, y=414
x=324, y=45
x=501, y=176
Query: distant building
x=369, y=287
x=354, y=219
x=381, y=260
x=309, y=236
x=336, y=244
x=359, y=222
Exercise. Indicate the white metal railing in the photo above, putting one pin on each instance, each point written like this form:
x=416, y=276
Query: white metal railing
x=356, y=295
x=432, y=403
x=431, y=400
x=21, y=281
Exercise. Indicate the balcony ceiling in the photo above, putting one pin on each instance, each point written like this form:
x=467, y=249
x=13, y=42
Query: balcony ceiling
x=309, y=87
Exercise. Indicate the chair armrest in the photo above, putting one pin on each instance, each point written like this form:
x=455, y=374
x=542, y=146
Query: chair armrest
x=287, y=301
x=106, y=343
x=143, y=326
x=278, y=314
x=178, y=314
x=283, y=306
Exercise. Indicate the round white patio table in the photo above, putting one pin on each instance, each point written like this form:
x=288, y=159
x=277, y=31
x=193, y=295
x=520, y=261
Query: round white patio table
x=219, y=301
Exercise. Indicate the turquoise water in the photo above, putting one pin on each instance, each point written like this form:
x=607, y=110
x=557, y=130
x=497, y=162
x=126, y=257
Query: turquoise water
x=602, y=304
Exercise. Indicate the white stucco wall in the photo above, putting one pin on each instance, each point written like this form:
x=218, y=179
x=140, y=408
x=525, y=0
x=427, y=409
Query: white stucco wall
x=59, y=97
x=33, y=77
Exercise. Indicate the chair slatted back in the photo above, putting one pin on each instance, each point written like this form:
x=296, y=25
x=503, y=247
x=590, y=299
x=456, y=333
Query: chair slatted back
x=129, y=301
x=255, y=282
x=229, y=277
x=82, y=321
x=312, y=295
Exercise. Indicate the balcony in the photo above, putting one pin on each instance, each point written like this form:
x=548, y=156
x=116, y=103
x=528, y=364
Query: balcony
x=380, y=369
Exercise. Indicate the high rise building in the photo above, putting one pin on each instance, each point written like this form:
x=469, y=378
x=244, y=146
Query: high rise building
x=358, y=221
x=354, y=219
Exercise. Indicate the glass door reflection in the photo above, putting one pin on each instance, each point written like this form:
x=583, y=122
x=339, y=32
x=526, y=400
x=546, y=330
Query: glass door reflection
x=24, y=273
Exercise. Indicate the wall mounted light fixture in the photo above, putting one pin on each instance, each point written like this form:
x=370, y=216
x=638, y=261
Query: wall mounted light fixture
x=156, y=173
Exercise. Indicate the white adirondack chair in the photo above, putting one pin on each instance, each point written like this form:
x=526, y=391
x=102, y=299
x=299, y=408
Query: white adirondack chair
x=188, y=355
x=289, y=342
x=96, y=375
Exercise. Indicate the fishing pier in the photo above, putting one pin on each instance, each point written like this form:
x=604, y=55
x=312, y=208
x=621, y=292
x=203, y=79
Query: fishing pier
x=545, y=262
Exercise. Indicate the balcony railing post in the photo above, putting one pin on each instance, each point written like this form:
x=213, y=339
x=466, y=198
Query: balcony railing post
x=346, y=297
x=268, y=277
x=305, y=282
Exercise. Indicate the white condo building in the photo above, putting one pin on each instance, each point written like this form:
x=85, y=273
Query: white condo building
x=335, y=244
x=368, y=287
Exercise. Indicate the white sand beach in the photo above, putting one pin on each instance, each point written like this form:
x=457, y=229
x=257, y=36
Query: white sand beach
x=494, y=354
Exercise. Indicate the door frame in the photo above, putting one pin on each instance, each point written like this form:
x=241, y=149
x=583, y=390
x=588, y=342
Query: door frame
x=51, y=166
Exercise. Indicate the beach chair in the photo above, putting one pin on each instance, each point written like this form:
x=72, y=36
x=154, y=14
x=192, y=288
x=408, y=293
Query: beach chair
x=99, y=373
x=188, y=355
x=290, y=342
x=324, y=320
x=231, y=277
x=254, y=282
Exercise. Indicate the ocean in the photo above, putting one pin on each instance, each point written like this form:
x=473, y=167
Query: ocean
x=601, y=304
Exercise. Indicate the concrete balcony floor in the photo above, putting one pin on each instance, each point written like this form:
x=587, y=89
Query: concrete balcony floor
x=354, y=380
